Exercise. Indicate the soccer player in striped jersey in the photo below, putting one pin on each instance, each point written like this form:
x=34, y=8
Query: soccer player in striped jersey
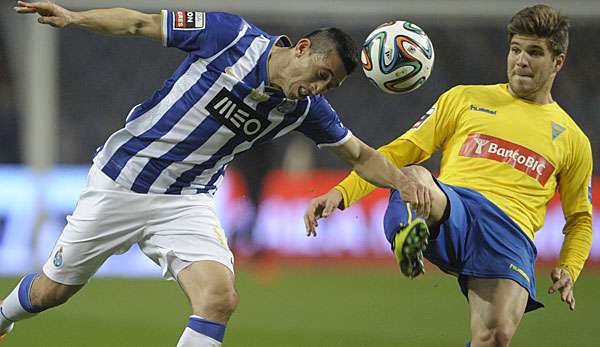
x=506, y=150
x=152, y=182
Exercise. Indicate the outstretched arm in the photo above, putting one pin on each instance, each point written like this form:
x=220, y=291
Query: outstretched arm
x=114, y=21
x=376, y=169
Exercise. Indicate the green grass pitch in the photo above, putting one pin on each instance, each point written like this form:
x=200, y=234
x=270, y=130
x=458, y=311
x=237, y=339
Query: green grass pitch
x=304, y=307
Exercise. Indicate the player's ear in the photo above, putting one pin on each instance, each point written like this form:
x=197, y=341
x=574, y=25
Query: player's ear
x=302, y=46
x=559, y=61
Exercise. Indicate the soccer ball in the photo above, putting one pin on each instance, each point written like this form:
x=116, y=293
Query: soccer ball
x=397, y=57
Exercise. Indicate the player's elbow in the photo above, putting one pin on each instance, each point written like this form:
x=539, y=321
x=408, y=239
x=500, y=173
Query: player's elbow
x=145, y=25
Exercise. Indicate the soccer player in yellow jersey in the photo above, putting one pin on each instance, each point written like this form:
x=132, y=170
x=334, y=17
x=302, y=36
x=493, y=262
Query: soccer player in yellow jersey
x=506, y=149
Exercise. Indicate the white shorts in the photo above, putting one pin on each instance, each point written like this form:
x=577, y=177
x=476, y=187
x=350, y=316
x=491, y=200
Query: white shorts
x=172, y=230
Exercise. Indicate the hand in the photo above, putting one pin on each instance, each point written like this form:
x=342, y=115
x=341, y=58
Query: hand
x=415, y=188
x=49, y=12
x=564, y=284
x=321, y=207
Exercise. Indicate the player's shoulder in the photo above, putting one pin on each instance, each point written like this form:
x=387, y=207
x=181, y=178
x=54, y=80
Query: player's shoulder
x=226, y=20
x=564, y=119
x=320, y=103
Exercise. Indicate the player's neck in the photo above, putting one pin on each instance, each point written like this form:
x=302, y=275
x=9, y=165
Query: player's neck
x=276, y=64
x=542, y=96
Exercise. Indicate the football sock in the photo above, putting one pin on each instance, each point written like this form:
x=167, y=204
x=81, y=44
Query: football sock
x=202, y=332
x=469, y=344
x=17, y=306
x=399, y=213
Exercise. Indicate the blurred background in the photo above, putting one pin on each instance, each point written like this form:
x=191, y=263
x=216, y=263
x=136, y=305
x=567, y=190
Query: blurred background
x=62, y=93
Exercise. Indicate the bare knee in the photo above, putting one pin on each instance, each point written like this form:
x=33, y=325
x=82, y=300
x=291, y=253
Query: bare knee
x=499, y=335
x=438, y=198
x=216, y=302
x=224, y=302
x=45, y=293
x=210, y=288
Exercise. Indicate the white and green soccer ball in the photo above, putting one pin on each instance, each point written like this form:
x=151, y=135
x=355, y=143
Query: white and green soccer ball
x=397, y=57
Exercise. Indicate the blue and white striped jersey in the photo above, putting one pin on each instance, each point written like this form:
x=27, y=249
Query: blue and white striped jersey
x=217, y=104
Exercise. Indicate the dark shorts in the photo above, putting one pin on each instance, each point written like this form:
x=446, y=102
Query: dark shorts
x=477, y=240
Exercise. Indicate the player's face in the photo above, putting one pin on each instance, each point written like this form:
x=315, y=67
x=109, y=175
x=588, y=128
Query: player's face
x=312, y=73
x=531, y=68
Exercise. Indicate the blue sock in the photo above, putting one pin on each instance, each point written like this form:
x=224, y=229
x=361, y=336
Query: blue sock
x=206, y=327
x=397, y=215
x=17, y=306
x=469, y=344
x=24, y=289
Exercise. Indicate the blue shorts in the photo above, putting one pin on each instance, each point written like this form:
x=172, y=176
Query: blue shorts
x=476, y=240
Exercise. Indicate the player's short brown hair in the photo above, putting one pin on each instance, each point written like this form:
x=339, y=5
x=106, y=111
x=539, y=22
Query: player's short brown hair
x=542, y=21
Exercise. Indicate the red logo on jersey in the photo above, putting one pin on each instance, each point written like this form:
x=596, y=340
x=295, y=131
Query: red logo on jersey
x=519, y=157
x=180, y=19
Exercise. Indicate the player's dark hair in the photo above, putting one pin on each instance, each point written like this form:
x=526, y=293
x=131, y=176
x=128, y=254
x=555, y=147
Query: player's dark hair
x=325, y=39
x=542, y=21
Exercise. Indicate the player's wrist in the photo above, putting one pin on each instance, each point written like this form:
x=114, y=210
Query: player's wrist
x=338, y=192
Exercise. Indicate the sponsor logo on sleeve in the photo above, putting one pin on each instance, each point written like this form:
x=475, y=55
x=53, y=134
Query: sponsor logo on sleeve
x=519, y=157
x=188, y=20
x=237, y=116
x=423, y=118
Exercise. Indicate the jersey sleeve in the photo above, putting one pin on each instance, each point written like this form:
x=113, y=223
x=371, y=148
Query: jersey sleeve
x=323, y=125
x=575, y=189
x=436, y=126
x=205, y=33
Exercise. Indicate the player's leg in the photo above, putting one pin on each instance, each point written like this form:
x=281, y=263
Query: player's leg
x=185, y=238
x=496, y=308
x=34, y=294
x=209, y=287
x=106, y=221
x=407, y=232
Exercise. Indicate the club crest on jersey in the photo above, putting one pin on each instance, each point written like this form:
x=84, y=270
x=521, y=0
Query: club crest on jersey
x=188, y=20
x=556, y=130
x=58, y=258
x=517, y=156
x=237, y=116
x=423, y=118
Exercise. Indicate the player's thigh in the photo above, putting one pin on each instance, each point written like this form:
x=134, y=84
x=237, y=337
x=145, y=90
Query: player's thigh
x=496, y=303
x=107, y=220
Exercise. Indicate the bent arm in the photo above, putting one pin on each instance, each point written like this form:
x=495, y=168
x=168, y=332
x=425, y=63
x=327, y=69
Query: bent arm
x=400, y=152
x=114, y=21
x=369, y=164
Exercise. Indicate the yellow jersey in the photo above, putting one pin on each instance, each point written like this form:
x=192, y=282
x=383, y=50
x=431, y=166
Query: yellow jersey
x=514, y=152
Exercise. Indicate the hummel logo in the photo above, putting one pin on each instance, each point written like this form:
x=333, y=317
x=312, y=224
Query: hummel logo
x=237, y=116
x=481, y=109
